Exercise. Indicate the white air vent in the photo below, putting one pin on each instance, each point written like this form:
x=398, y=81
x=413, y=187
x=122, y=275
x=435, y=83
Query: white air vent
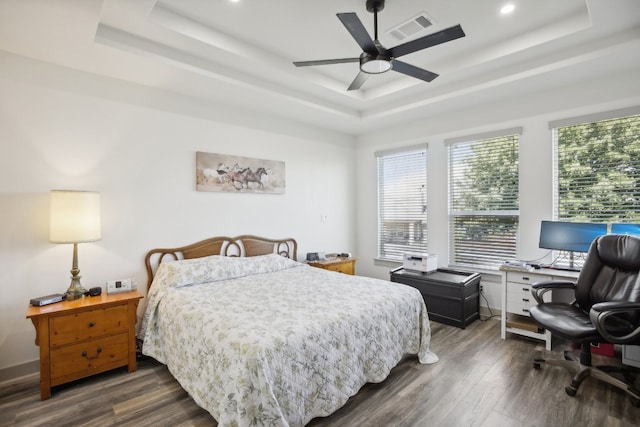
x=411, y=27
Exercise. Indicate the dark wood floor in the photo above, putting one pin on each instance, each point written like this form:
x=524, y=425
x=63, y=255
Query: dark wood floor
x=480, y=380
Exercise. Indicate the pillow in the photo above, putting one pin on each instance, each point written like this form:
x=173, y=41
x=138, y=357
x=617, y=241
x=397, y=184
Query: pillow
x=175, y=274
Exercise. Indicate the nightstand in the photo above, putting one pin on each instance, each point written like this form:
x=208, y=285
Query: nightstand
x=84, y=337
x=341, y=265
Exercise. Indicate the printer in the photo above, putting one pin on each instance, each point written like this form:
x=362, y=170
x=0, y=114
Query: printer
x=420, y=262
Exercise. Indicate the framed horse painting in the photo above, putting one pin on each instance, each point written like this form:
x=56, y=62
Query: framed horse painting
x=221, y=172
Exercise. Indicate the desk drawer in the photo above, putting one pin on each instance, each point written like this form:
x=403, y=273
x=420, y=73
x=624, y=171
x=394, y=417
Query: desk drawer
x=519, y=307
x=80, y=360
x=87, y=324
x=524, y=277
x=520, y=299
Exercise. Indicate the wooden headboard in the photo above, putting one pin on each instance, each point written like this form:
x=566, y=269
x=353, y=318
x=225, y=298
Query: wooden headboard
x=241, y=246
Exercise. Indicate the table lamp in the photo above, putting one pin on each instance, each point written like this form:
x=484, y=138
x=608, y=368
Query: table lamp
x=75, y=218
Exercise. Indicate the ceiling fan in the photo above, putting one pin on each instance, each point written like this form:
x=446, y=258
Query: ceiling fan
x=375, y=58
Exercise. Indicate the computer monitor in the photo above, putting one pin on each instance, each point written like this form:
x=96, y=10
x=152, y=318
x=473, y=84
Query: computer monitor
x=569, y=236
x=620, y=228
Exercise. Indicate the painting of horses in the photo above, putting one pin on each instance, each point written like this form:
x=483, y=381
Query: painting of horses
x=221, y=172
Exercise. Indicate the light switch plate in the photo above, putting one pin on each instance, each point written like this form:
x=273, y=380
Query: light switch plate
x=118, y=286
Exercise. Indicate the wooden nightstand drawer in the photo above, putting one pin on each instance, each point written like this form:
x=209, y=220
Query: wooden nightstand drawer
x=90, y=357
x=339, y=265
x=345, y=267
x=86, y=325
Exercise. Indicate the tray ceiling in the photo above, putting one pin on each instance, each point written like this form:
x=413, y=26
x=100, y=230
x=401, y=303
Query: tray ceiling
x=240, y=53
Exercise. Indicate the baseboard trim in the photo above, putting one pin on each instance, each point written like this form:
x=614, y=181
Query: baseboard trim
x=18, y=371
x=486, y=314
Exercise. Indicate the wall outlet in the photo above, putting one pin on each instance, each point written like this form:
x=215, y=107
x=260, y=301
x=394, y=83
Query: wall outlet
x=481, y=288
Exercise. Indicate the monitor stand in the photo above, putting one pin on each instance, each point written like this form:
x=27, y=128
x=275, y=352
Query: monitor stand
x=572, y=266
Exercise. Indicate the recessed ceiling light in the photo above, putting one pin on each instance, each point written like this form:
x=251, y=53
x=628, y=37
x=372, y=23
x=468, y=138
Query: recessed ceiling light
x=507, y=9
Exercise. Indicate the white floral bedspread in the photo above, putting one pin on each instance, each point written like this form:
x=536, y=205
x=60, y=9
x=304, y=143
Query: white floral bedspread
x=267, y=341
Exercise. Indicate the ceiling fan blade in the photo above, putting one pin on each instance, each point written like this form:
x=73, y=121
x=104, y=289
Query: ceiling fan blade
x=325, y=62
x=358, y=81
x=353, y=24
x=434, y=39
x=410, y=70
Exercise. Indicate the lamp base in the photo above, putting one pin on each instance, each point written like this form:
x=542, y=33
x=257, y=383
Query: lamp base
x=75, y=291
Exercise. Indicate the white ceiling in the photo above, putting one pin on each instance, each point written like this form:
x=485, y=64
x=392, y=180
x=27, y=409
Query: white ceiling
x=240, y=53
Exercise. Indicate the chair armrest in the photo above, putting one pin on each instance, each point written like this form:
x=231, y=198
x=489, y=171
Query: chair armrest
x=538, y=289
x=601, y=311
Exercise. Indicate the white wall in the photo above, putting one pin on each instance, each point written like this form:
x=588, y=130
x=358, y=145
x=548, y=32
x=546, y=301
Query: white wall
x=533, y=113
x=60, y=129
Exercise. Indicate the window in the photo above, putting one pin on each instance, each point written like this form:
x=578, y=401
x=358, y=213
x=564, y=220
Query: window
x=402, y=202
x=597, y=167
x=483, y=198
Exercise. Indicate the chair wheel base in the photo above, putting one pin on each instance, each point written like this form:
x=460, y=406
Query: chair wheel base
x=537, y=361
x=582, y=371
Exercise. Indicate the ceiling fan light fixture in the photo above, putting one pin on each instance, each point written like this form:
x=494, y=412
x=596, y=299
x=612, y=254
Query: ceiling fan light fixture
x=375, y=64
x=375, y=58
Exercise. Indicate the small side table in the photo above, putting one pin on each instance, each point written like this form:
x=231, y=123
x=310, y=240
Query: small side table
x=341, y=265
x=84, y=337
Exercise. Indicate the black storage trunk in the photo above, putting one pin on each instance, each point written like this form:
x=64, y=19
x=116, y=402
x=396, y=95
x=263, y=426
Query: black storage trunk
x=452, y=297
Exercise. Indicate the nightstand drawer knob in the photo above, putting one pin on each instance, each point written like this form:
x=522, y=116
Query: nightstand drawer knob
x=92, y=324
x=98, y=351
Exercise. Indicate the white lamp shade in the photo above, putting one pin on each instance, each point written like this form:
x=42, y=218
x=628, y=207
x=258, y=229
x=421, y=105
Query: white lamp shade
x=75, y=216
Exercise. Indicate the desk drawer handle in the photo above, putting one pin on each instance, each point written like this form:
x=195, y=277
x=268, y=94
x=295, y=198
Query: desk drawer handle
x=92, y=324
x=525, y=310
x=525, y=289
x=525, y=299
x=98, y=351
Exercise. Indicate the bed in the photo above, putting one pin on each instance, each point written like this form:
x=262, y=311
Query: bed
x=257, y=338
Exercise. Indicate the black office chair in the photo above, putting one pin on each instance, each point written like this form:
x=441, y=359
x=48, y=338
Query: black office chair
x=606, y=309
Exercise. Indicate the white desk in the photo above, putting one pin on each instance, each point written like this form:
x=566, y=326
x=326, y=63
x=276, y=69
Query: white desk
x=517, y=299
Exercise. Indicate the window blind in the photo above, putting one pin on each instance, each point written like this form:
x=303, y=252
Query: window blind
x=483, y=201
x=402, y=202
x=597, y=171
